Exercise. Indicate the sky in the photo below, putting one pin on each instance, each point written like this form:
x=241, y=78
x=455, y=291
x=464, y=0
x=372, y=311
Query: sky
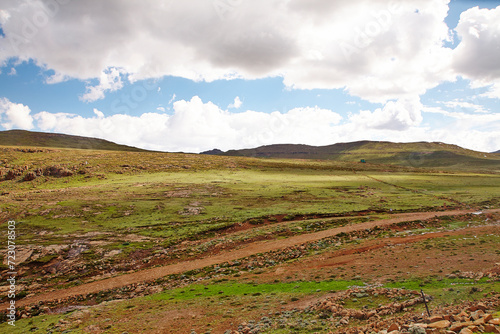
x=195, y=75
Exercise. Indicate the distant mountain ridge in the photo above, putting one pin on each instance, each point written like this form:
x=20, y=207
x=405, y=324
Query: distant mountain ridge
x=417, y=154
x=56, y=140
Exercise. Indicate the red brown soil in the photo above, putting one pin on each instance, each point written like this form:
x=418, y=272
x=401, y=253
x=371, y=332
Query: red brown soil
x=255, y=248
x=397, y=257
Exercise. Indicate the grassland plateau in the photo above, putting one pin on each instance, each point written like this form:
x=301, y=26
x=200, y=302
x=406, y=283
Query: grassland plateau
x=115, y=241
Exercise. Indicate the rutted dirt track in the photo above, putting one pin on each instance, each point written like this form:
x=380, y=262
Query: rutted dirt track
x=258, y=247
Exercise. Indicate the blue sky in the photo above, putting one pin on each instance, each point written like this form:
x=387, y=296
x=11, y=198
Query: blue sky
x=252, y=73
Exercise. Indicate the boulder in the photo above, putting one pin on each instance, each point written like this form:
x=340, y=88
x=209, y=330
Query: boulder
x=439, y=324
x=466, y=331
x=457, y=326
x=393, y=327
x=481, y=306
x=435, y=318
x=491, y=329
x=477, y=314
x=487, y=317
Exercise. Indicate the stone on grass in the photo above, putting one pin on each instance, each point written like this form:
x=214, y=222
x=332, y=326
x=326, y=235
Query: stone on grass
x=439, y=324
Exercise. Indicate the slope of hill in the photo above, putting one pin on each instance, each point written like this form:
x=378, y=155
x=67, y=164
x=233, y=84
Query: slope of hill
x=42, y=139
x=419, y=154
x=156, y=239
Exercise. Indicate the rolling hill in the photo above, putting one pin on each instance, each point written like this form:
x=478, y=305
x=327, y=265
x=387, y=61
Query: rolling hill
x=42, y=139
x=419, y=154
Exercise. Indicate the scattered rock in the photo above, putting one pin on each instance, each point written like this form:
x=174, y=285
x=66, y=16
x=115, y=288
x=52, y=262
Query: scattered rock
x=466, y=331
x=459, y=325
x=491, y=329
x=439, y=324
x=393, y=327
x=477, y=314
x=435, y=318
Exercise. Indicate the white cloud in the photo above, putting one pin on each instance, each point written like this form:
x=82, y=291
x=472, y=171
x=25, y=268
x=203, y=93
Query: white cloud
x=12, y=71
x=109, y=81
x=397, y=115
x=478, y=131
x=236, y=104
x=384, y=51
x=395, y=51
x=162, y=109
x=145, y=130
x=493, y=86
x=467, y=120
x=98, y=113
x=458, y=104
x=15, y=115
x=476, y=57
x=398, y=54
x=196, y=126
x=172, y=99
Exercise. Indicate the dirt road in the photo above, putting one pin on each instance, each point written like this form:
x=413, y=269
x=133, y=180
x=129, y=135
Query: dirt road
x=258, y=247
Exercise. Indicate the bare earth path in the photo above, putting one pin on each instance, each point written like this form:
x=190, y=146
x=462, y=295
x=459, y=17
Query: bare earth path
x=258, y=247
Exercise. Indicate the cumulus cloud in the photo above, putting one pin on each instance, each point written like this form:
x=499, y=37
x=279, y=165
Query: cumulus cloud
x=15, y=115
x=474, y=131
x=378, y=50
x=109, y=81
x=396, y=46
x=236, y=104
x=98, y=113
x=384, y=51
x=141, y=130
x=476, y=57
x=397, y=115
x=197, y=126
x=200, y=126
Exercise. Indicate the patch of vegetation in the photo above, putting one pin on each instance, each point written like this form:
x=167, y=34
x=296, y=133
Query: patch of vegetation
x=46, y=258
x=241, y=289
x=447, y=291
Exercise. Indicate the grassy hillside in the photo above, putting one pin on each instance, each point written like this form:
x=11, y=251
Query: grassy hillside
x=41, y=139
x=420, y=154
x=94, y=190
x=90, y=214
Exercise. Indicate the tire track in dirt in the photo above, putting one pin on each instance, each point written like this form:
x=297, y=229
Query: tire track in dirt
x=252, y=249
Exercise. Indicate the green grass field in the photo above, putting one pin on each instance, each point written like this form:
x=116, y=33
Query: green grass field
x=138, y=204
x=196, y=194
